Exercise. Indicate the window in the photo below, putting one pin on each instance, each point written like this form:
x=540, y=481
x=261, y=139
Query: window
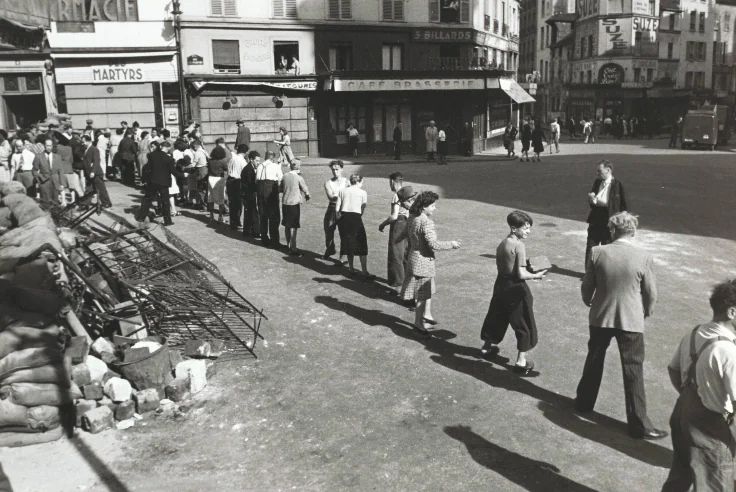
x=672, y=22
x=392, y=56
x=590, y=77
x=582, y=77
x=716, y=22
x=341, y=57
x=702, y=47
x=693, y=17
x=651, y=8
x=583, y=47
x=727, y=22
x=225, y=56
x=339, y=9
x=590, y=45
x=548, y=35
x=670, y=49
x=637, y=74
x=286, y=57
x=637, y=39
x=699, y=80
x=393, y=10
x=284, y=9
x=689, y=80
x=223, y=8
x=701, y=24
x=452, y=11
x=650, y=74
x=341, y=116
x=541, y=38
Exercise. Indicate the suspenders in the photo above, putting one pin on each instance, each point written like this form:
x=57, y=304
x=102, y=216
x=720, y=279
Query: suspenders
x=695, y=355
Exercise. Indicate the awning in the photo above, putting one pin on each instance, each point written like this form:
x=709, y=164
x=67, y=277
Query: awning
x=294, y=85
x=102, y=54
x=510, y=87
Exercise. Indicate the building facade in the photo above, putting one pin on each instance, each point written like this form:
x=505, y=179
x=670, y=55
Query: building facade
x=723, y=78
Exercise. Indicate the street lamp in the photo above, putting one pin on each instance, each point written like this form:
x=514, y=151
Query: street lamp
x=176, y=12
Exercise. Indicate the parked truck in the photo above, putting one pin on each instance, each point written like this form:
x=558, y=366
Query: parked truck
x=723, y=114
x=700, y=128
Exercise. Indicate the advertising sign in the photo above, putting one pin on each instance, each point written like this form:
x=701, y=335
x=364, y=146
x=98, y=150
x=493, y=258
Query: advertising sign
x=442, y=35
x=615, y=34
x=611, y=74
x=408, y=84
x=650, y=24
x=587, y=8
x=640, y=7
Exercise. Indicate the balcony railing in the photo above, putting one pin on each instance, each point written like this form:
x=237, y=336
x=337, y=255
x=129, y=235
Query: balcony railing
x=460, y=63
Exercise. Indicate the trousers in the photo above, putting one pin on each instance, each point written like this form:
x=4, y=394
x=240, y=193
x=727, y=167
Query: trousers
x=631, y=349
x=155, y=192
x=270, y=214
x=598, y=234
x=251, y=218
x=235, y=198
x=330, y=225
x=98, y=182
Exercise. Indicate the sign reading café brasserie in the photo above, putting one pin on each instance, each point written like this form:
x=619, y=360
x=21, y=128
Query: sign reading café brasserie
x=408, y=85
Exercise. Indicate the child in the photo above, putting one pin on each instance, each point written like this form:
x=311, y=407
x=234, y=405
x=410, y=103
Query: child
x=512, y=300
x=292, y=186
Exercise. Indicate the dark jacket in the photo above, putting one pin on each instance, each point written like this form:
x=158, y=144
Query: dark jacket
x=248, y=179
x=91, y=161
x=78, y=152
x=159, y=169
x=67, y=159
x=616, y=201
x=127, y=149
x=397, y=134
x=217, y=168
x=243, y=137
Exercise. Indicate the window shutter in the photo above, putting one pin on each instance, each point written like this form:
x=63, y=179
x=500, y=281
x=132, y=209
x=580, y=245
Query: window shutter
x=229, y=8
x=388, y=13
x=398, y=10
x=278, y=8
x=334, y=9
x=345, y=12
x=216, y=7
x=464, y=11
x=290, y=9
x=226, y=53
x=434, y=10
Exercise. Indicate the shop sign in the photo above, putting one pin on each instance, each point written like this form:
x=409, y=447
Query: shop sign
x=584, y=67
x=195, y=60
x=118, y=73
x=443, y=35
x=408, y=85
x=94, y=10
x=75, y=27
x=640, y=7
x=615, y=33
x=611, y=74
x=587, y=8
x=637, y=85
x=650, y=24
x=308, y=85
x=653, y=64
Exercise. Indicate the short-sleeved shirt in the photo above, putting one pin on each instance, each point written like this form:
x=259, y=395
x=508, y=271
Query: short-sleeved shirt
x=200, y=158
x=507, y=255
x=715, y=372
x=351, y=200
x=403, y=211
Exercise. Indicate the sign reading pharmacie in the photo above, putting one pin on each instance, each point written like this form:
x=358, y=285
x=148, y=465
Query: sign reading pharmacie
x=349, y=85
x=94, y=10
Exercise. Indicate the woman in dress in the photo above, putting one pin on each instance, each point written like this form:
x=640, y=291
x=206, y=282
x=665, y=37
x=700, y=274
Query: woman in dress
x=286, y=155
x=397, y=223
x=350, y=205
x=537, y=139
x=509, y=137
x=333, y=186
x=526, y=138
x=421, y=269
x=353, y=137
x=512, y=301
x=216, y=170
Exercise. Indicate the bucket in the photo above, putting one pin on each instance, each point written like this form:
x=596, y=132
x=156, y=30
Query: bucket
x=151, y=371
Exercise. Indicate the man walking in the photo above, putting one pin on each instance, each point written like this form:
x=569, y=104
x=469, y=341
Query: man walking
x=95, y=172
x=398, y=135
x=675, y=132
x=233, y=186
x=268, y=181
x=251, y=218
x=243, y=136
x=554, y=129
x=620, y=289
x=157, y=176
x=127, y=149
x=71, y=179
x=48, y=173
x=703, y=371
x=606, y=199
x=430, y=135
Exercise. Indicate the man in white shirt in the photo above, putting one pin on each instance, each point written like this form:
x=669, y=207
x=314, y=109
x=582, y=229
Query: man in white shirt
x=606, y=199
x=703, y=371
x=442, y=147
x=21, y=165
x=554, y=129
x=232, y=185
x=49, y=173
x=268, y=179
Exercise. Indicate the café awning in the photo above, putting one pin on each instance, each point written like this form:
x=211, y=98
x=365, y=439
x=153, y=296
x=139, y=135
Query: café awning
x=510, y=87
x=296, y=85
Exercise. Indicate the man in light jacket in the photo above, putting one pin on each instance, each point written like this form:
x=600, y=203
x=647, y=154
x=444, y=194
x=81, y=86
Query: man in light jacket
x=431, y=134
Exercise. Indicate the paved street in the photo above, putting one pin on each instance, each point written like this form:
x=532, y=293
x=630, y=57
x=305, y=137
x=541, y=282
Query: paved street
x=344, y=397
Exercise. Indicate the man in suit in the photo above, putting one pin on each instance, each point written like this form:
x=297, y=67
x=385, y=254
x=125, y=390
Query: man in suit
x=621, y=289
x=78, y=150
x=251, y=218
x=243, y=137
x=127, y=151
x=157, y=176
x=48, y=173
x=606, y=199
x=93, y=170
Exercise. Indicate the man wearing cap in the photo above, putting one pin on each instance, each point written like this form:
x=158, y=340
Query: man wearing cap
x=232, y=185
x=397, y=223
x=160, y=169
x=48, y=173
x=243, y=137
x=95, y=172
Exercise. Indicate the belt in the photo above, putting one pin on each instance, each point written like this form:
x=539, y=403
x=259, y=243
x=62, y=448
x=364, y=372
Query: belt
x=230, y=177
x=23, y=171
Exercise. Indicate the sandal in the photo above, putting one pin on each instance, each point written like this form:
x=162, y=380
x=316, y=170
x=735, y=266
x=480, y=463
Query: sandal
x=432, y=322
x=525, y=369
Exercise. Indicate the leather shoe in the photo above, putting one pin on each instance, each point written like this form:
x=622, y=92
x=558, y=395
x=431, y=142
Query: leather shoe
x=652, y=435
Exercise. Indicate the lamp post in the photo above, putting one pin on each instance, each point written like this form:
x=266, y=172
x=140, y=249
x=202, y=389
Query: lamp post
x=176, y=12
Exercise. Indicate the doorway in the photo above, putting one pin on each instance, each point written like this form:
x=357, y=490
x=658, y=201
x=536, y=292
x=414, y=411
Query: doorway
x=21, y=111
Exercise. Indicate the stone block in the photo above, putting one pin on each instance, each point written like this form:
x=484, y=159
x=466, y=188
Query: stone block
x=78, y=349
x=174, y=358
x=81, y=374
x=125, y=410
x=93, y=391
x=178, y=389
x=299, y=113
x=195, y=371
x=102, y=345
x=97, y=368
x=108, y=358
x=98, y=420
x=299, y=125
x=118, y=389
x=82, y=407
x=146, y=400
x=214, y=127
x=217, y=347
x=107, y=402
x=197, y=348
x=273, y=114
x=109, y=375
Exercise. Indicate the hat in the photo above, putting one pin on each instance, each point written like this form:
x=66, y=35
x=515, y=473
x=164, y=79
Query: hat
x=89, y=122
x=405, y=193
x=239, y=122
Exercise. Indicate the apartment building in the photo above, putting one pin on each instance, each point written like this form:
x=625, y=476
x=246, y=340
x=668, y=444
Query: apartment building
x=723, y=78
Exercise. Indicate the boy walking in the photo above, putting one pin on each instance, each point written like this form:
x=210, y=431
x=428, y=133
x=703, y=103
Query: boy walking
x=292, y=186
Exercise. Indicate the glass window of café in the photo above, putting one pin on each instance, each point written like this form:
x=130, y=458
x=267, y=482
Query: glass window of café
x=343, y=115
x=386, y=117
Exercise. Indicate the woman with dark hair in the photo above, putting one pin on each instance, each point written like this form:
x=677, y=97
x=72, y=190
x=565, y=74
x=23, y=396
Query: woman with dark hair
x=512, y=300
x=421, y=259
x=353, y=137
x=350, y=205
x=216, y=170
x=286, y=155
x=526, y=138
x=397, y=223
x=537, y=138
x=333, y=186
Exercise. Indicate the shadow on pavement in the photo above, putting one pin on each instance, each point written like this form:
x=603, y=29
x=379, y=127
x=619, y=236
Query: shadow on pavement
x=107, y=477
x=530, y=474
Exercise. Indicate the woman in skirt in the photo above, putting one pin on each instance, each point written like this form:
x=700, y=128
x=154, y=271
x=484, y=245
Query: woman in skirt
x=333, y=186
x=537, y=139
x=286, y=155
x=216, y=171
x=421, y=270
x=526, y=138
x=351, y=203
x=512, y=301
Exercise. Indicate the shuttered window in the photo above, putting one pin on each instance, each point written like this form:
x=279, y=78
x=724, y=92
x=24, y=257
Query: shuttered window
x=339, y=9
x=284, y=9
x=223, y=8
x=434, y=10
x=226, y=56
x=449, y=11
x=464, y=11
x=393, y=10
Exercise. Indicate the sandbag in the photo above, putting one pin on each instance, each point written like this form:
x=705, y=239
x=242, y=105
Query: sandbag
x=18, y=417
x=11, y=316
x=18, y=439
x=23, y=209
x=56, y=373
x=24, y=337
x=37, y=394
x=28, y=359
x=42, y=273
x=22, y=241
x=5, y=221
x=12, y=188
x=41, y=301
